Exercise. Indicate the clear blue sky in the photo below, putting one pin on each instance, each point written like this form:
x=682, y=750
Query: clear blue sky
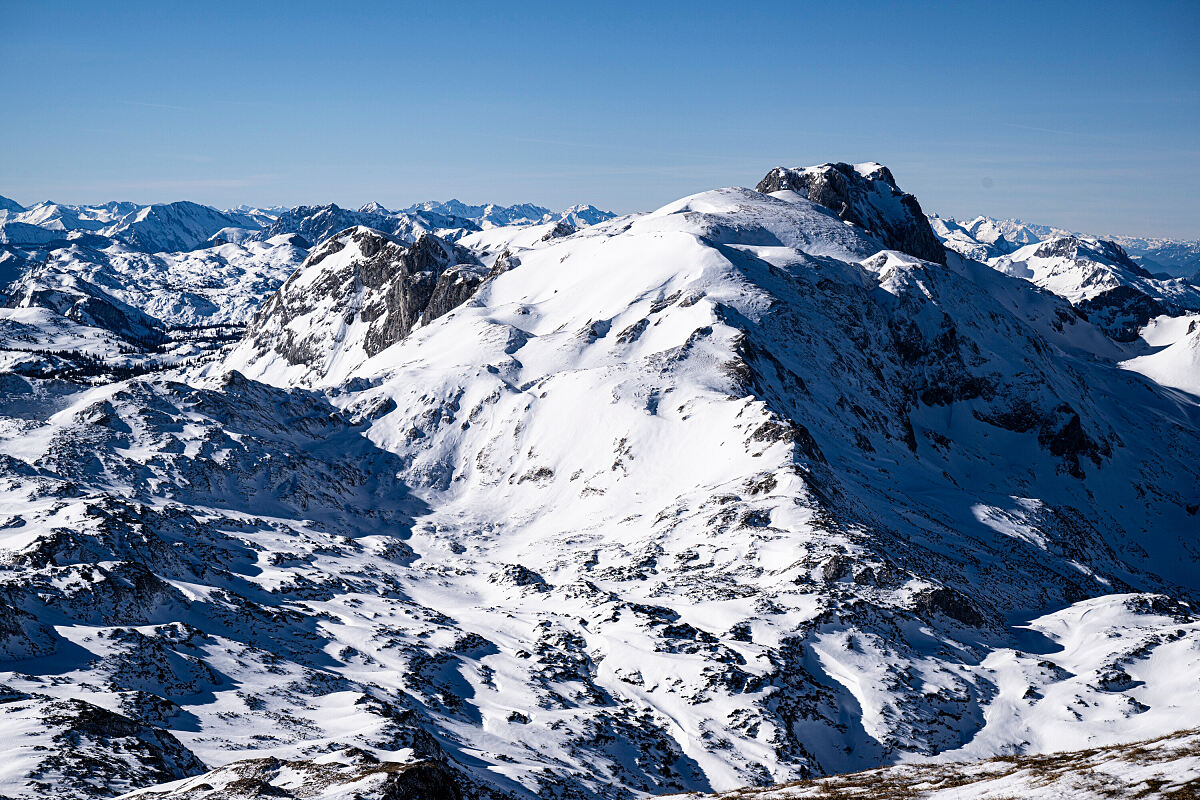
x=1084, y=115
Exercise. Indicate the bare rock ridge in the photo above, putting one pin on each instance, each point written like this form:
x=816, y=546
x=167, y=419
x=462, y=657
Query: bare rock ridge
x=866, y=195
x=360, y=292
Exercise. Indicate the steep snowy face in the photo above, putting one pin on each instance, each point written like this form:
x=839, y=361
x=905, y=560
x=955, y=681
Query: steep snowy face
x=1173, y=357
x=154, y=228
x=22, y=233
x=355, y=294
x=11, y=206
x=56, y=216
x=1100, y=279
x=865, y=195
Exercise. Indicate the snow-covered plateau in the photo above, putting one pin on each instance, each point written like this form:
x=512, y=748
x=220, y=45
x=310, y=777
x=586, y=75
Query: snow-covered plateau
x=783, y=492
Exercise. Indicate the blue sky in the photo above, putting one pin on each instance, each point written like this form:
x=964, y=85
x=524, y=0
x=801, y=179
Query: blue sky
x=1077, y=114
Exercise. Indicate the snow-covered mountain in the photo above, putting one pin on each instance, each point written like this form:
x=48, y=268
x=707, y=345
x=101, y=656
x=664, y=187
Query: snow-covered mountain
x=173, y=227
x=984, y=238
x=153, y=228
x=1173, y=257
x=741, y=491
x=168, y=226
x=160, y=307
x=1097, y=276
x=59, y=217
x=1101, y=280
x=449, y=220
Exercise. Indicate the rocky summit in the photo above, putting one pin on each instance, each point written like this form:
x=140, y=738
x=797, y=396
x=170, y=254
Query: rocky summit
x=782, y=492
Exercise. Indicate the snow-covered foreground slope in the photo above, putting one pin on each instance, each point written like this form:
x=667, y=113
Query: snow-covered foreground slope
x=1167, y=767
x=721, y=495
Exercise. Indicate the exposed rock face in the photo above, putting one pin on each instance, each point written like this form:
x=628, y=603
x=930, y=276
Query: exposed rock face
x=866, y=195
x=357, y=294
x=1122, y=311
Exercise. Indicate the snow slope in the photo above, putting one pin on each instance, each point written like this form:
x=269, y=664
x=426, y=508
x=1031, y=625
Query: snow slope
x=1174, y=359
x=1166, y=766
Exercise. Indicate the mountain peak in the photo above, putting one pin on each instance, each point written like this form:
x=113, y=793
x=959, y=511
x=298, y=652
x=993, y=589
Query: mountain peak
x=867, y=196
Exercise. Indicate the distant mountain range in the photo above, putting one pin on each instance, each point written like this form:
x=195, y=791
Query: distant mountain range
x=983, y=238
x=173, y=227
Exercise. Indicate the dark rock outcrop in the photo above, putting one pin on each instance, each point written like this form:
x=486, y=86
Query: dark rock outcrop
x=388, y=285
x=867, y=197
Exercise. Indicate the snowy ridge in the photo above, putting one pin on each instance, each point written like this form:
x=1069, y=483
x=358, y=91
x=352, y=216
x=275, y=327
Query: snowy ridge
x=168, y=227
x=11, y=206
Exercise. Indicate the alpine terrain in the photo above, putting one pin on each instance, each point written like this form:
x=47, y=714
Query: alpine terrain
x=783, y=492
